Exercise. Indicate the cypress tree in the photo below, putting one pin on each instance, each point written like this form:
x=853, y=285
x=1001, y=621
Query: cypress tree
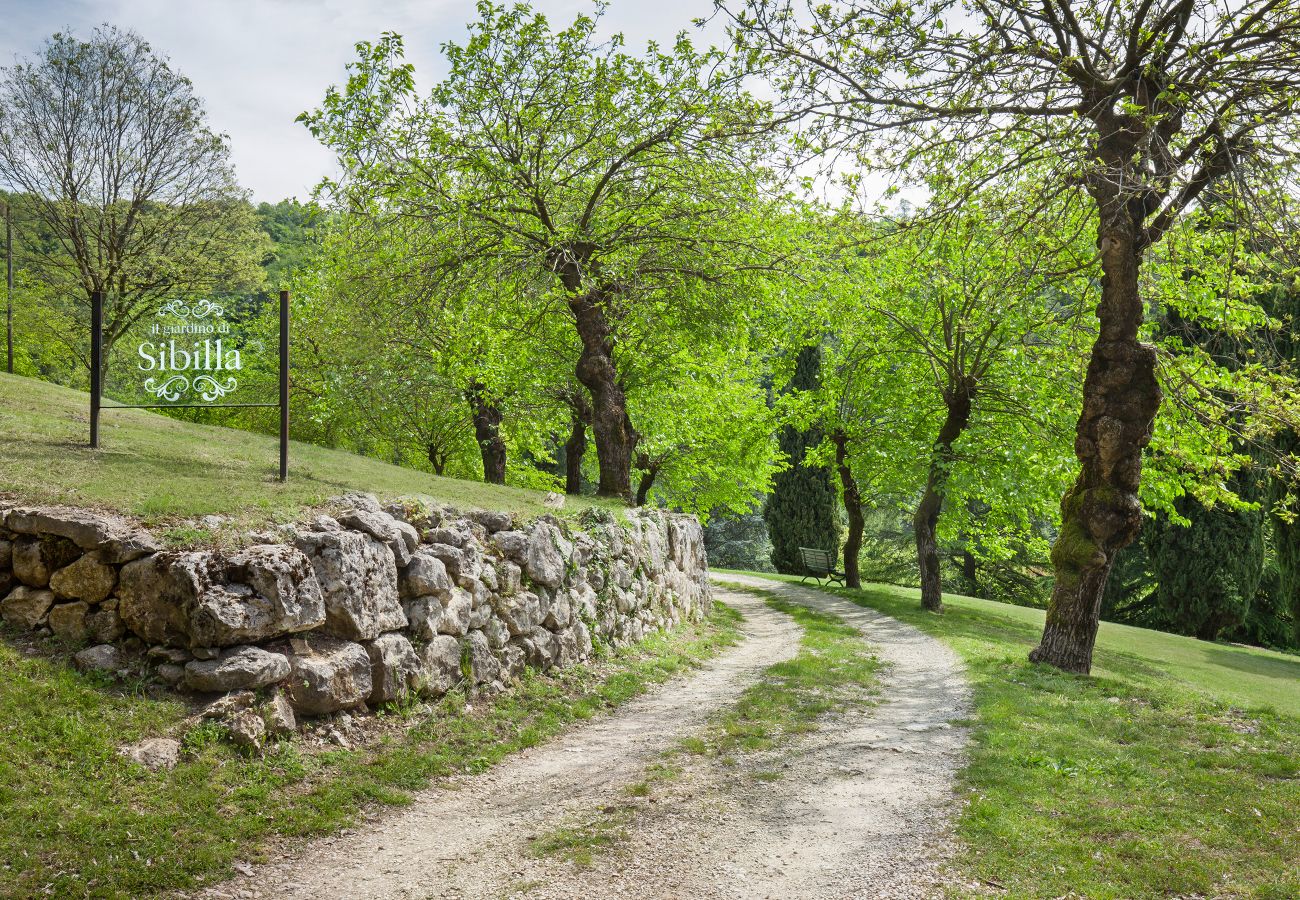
x=802, y=510
x=1208, y=572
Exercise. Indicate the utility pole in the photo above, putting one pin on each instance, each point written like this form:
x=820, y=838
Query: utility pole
x=9, y=284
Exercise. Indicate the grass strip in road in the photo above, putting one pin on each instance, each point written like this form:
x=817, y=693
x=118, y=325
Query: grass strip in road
x=76, y=819
x=1137, y=782
x=833, y=669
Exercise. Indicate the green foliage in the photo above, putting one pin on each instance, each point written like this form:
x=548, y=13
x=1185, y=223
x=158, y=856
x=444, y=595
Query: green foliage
x=801, y=509
x=1209, y=570
x=552, y=173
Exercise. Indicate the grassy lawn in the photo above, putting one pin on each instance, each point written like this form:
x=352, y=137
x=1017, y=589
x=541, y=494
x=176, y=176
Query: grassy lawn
x=1174, y=771
x=833, y=668
x=159, y=468
x=80, y=820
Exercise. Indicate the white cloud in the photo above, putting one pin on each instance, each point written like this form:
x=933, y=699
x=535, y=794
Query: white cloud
x=259, y=63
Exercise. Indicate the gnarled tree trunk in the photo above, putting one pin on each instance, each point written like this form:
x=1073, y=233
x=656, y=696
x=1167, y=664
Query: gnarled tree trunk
x=610, y=423
x=575, y=448
x=1101, y=513
x=650, y=471
x=852, y=506
x=487, y=430
x=925, y=523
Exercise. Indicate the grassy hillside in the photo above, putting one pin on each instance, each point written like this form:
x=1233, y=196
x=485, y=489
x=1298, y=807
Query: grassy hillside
x=1174, y=771
x=159, y=468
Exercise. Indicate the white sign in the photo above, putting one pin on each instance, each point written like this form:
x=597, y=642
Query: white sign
x=186, y=354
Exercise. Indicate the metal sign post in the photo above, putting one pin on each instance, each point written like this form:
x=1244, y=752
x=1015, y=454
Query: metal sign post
x=284, y=385
x=205, y=369
x=96, y=362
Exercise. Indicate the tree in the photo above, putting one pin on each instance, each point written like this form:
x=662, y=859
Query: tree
x=1208, y=571
x=954, y=345
x=132, y=193
x=1142, y=107
x=800, y=510
x=626, y=189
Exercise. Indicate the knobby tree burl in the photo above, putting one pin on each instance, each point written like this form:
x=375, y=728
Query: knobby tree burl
x=1139, y=108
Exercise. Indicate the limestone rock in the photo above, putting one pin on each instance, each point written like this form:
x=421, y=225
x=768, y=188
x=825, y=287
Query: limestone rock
x=395, y=667
x=224, y=707
x=546, y=555
x=68, y=621
x=277, y=712
x=509, y=577
x=424, y=575
x=399, y=537
x=513, y=545
x=440, y=666
x=155, y=592
x=456, y=609
x=154, y=754
x=560, y=613
x=26, y=607
x=236, y=669
x=483, y=665
x=35, y=559
x=491, y=521
x=520, y=612
x=553, y=500
x=453, y=559
x=6, y=565
x=101, y=658
x=424, y=615
x=496, y=632
x=89, y=579
x=452, y=537
x=539, y=647
x=513, y=661
x=104, y=625
x=289, y=595
x=327, y=674
x=246, y=728
x=117, y=538
x=358, y=581
x=211, y=600
x=171, y=673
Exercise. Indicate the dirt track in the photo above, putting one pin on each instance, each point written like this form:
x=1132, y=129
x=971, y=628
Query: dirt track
x=860, y=809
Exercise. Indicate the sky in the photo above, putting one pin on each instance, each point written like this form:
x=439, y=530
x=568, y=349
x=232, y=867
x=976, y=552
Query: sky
x=257, y=64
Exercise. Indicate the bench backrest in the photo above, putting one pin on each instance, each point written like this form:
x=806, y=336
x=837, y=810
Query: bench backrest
x=815, y=560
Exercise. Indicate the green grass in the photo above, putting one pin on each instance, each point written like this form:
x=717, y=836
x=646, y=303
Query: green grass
x=75, y=818
x=160, y=469
x=1174, y=771
x=832, y=669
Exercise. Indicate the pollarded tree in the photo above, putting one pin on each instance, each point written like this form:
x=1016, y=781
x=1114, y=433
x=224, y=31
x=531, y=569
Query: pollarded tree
x=1136, y=107
x=631, y=183
x=132, y=193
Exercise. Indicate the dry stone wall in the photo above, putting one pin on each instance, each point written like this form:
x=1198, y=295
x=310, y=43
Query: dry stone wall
x=349, y=610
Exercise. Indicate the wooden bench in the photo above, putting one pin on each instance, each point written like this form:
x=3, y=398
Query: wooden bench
x=817, y=564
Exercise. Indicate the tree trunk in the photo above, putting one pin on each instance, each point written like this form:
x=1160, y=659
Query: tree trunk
x=1101, y=513
x=610, y=423
x=853, y=507
x=925, y=523
x=437, y=459
x=576, y=446
x=487, y=430
x=651, y=471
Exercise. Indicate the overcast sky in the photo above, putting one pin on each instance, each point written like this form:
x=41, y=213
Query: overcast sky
x=258, y=63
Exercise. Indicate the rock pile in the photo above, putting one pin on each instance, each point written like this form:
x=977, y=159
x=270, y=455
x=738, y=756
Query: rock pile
x=359, y=608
